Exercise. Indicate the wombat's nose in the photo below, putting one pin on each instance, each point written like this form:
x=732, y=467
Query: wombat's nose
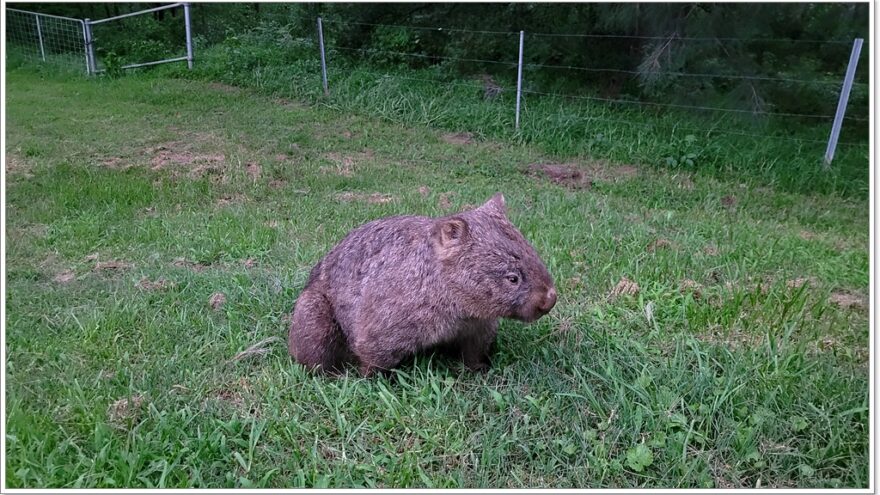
x=549, y=300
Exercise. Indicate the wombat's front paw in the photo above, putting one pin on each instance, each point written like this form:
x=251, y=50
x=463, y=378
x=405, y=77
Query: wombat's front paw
x=481, y=366
x=366, y=370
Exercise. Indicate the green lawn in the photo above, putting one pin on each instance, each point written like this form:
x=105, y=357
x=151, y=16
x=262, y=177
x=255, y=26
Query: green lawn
x=742, y=358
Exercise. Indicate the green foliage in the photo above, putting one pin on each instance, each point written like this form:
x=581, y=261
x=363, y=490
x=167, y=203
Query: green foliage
x=112, y=63
x=639, y=457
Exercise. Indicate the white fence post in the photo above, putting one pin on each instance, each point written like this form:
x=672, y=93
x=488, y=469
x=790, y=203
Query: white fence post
x=40, y=36
x=844, y=98
x=189, y=41
x=323, y=57
x=519, y=78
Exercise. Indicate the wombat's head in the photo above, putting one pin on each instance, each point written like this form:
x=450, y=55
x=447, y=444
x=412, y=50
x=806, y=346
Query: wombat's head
x=492, y=268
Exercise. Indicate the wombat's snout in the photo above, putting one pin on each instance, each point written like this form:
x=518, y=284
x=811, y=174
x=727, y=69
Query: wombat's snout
x=542, y=301
x=548, y=302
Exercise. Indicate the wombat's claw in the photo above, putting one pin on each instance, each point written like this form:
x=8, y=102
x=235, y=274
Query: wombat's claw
x=366, y=370
x=478, y=367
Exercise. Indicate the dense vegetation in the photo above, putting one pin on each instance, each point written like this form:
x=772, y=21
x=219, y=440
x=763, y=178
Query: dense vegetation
x=655, y=41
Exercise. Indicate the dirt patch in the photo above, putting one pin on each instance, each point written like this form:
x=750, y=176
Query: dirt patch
x=685, y=182
x=458, y=138
x=124, y=410
x=347, y=134
x=116, y=163
x=848, y=300
x=729, y=202
x=710, y=250
x=562, y=174
x=217, y=300
x=192, y=265
x=374, y=198
x=277, y=183
x=38, y=230
x=64, y=277
x=424, y=191
x=756, y=285
x=149, y=212
x=693, y=287
x=658, y=244
x=254, y=171
x=625, y=287
x=345, y=165
x=249, y=263
x=112, y=265
x=179, y=153
x=15, y=165
x=214, y=170
x=799, y=282
x=235, y=395
x=808, y=236
x=581, y=175
x=224, y=88
x=288, y=103
x=444, y=202
x=148, y=285
x=230, y=200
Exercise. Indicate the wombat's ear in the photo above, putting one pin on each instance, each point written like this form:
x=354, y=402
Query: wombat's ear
x=450, y=233
x=496, y=204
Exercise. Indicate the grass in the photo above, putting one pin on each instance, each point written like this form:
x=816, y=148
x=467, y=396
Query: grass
x=719, y=372
x=785, y=153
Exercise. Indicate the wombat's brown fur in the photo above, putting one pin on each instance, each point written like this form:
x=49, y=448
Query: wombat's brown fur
x=399, y=285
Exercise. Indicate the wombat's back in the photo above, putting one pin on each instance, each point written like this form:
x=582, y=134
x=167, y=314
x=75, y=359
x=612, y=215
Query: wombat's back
x=389, y=261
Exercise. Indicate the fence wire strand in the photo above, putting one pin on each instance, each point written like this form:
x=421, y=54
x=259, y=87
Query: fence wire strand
x=675, y=37
x=421, y=55
x=422, y=28
x=690, y=107
x=685, y=74
x=581, y=35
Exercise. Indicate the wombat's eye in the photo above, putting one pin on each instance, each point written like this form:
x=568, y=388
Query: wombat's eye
x=513, y=278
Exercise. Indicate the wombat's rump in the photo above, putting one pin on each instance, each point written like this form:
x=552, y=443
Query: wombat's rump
x=399, y=285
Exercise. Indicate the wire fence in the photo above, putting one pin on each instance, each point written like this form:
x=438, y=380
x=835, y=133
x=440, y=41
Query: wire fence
x=45, y=36
x=522, y=89
x=93, y=44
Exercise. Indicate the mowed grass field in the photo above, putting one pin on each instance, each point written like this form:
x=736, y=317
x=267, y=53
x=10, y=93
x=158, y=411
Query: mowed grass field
x=709, y=332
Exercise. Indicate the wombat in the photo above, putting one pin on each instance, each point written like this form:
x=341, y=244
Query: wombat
x=404, y=284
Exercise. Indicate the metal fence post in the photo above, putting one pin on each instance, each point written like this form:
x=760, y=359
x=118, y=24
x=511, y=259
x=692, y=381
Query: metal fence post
x=323, y=57
x=189, y=43
x=519, y=77
x=844, y=98
x=86, y=47
x=40, y=36
x=90, y=46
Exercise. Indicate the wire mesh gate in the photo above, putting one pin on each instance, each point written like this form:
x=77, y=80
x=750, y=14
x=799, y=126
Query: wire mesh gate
x=71, y=41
